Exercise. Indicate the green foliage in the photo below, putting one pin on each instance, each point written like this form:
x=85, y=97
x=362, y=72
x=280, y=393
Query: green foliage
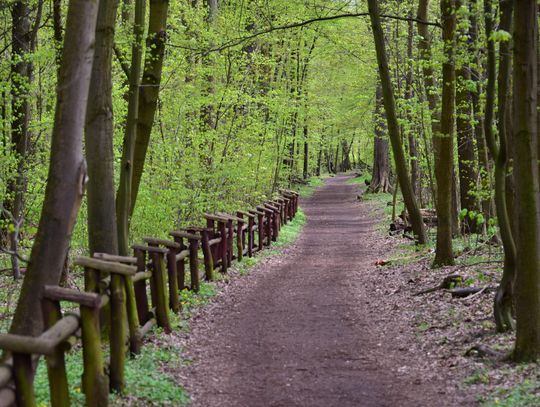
x=524, y=394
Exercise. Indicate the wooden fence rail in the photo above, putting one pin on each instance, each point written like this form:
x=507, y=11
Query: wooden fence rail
x=115, y=294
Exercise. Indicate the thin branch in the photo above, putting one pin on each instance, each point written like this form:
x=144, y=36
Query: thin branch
x=237, y=41
x=122, y=60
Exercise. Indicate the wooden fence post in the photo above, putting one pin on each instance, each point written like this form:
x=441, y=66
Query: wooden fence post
x=118, y=333
x=24, y=380
x=172, y=274
x=56, y=364
x=158, y=276
x=222, y=226
x=194, y=264
x=94, y=381
x=207, y=253
x=140, y=287
x=240, y=237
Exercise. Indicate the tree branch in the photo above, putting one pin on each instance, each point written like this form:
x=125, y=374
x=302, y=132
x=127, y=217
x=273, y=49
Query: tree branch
x=239, y=40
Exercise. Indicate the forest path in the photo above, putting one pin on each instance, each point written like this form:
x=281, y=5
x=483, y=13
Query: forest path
x=299, y=330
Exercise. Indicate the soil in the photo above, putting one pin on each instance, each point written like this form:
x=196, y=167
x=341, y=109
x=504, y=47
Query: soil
x=317, y=325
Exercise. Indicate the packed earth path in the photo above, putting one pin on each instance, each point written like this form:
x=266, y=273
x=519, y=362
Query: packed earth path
x=302, y=330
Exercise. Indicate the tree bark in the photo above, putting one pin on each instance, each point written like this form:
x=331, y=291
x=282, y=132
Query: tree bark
x=444, y=152
x=21, y=78
x=393, y=127
x=502, y=306
x=67, y=169
x=123, y=199
x=527, y=346
x=99, y=131
x=380, y=175
x=149, y=90
x=465, y=137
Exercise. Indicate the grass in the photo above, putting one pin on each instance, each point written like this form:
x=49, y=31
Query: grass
x=524, y=394
x=306, y=190
x=147, y=381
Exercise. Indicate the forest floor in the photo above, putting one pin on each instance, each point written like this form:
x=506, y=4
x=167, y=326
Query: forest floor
x=323, y=325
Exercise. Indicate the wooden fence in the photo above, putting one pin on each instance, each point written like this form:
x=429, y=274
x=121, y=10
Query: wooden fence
x=116, y=293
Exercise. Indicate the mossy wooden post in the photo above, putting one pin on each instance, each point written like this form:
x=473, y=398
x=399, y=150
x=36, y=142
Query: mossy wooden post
x=140, y=288
x=260, y=219
x=94, y=381
x=172, y=274
x=230, y=242
x=180, y=264
x=286, y=202
x=194, y=264
x=118, y=333
x=210, y=224
x=132, y=315
x=174, y=301
x=207, y=253
x=56, y=364
x=251, y=235
x=24, y=380
x=268, y=225
x=222, y=226
x=162, y=302
x=240, y=237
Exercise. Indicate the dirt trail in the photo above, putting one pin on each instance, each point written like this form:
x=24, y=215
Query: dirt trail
x=300, y=330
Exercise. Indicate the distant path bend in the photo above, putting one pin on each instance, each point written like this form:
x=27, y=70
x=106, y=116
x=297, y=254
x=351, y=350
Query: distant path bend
x=297, y=331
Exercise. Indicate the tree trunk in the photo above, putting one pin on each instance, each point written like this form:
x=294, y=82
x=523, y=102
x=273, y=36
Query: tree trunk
x=21, y=78
x=123, y=199
x=527, y=346
x=149, y=90
x=466, y=154
x=102, y=233
x=393, y=128
x=67, y=169
x=380, y=176
x=444, y=151
x=502, y=306
x=306, y=152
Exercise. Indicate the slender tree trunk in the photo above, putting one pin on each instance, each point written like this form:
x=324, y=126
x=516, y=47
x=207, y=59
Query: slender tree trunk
x=409, y=94
x=504, y=296
x=393, y=128
x=149, y=90
x=527, y=347
x=123, y=199
x=444, y=141
x=306, y=152
x=102, y=233
x=21, y=79
x=67, y=170
x=465, y=139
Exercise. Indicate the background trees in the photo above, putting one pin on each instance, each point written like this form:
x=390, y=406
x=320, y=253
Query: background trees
x=208, y=106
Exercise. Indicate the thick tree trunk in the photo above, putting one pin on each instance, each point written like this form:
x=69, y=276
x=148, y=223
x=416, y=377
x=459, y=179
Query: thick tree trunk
x=393, y=128
x=67, y=170
x=102, y=233
x=527, y=347
x=149, y=90
x=123, y=199
x=380, y=175
x=444, y=156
